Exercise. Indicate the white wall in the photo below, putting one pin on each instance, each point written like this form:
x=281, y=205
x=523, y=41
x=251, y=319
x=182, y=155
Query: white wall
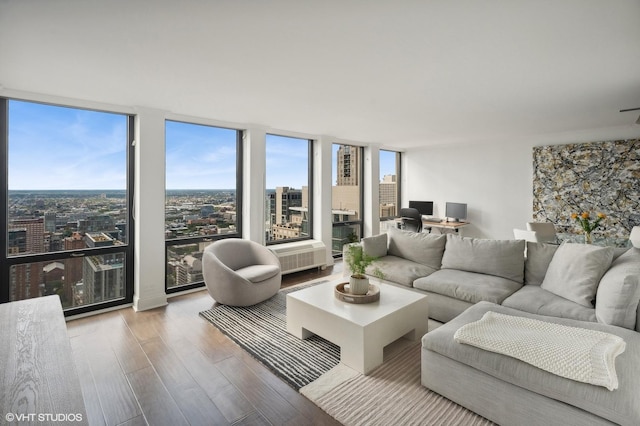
x=494, y=179
x=149, y=193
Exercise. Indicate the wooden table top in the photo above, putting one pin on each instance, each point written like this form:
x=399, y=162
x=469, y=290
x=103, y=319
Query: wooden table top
x=38, y=378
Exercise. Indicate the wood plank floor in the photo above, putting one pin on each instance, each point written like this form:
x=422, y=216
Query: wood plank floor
x=169, y=366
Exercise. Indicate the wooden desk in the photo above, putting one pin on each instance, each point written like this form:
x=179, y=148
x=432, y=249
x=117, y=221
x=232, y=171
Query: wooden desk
x=38, y=379
x=455, y=226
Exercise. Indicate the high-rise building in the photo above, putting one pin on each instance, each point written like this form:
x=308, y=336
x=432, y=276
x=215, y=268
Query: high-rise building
x=96, y=223
x=17, y=241
x=286, y=198
x=74, y=242
x=50, y=222
x=288, y=211
x=103, y=276
x=34, y=233
x=53, y=241
x=346, y=196
x=98, y=239
x=348, y=165
x=189, y=270
x=388, y=193
x=207, y=210
x=73, y=269
x=26, y=281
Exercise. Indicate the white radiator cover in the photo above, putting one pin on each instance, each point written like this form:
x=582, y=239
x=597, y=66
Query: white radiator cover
x=300, y=255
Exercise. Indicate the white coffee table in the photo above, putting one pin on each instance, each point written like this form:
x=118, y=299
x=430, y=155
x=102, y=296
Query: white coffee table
x=361, y=330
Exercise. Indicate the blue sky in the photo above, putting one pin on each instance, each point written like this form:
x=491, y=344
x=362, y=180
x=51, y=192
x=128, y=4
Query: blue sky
x=200, y=157
x=53, y=147
x=287, y=162
x=387, y=163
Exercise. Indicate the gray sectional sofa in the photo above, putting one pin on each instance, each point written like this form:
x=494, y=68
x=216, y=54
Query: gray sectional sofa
x=578, y=285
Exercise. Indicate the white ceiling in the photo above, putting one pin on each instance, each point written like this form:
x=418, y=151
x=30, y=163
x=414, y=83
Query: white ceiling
x=400, y=73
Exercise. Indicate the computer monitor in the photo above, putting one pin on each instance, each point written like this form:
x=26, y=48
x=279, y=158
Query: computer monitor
x=455, y=211
x=424, y=207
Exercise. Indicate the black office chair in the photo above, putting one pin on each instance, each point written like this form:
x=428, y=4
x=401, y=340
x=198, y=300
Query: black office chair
x=411, y=219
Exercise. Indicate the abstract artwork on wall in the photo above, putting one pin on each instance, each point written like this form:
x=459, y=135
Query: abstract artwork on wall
x=595, y=177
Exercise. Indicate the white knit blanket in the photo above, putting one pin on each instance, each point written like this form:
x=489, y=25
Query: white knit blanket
x=579, y=354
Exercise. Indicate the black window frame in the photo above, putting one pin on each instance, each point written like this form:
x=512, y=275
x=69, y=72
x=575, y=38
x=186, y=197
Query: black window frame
x=398, y=186
x=348, y=223
x=127, y=249
x=205, y=238
x=311, y=143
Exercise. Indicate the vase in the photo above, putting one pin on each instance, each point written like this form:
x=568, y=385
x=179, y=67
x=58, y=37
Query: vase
x=587, y=237
x=358, y=285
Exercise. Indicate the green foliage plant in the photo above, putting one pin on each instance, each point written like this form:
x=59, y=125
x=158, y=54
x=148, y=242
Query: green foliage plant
x=358, y=261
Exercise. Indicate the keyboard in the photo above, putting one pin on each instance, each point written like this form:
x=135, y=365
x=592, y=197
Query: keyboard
x=433, y=219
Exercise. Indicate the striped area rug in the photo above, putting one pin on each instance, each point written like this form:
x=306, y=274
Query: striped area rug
x=391, y=395
x=261, y=330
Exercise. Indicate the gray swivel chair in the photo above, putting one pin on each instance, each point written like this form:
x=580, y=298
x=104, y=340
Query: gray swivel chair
x=411, y=219
x=240, y=272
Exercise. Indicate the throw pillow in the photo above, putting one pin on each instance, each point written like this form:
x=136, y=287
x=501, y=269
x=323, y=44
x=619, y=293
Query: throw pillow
x=418, y=247
x=375, y=246
x=618, y=293
x=502, y=258
x=575, y=270
x=539, y=257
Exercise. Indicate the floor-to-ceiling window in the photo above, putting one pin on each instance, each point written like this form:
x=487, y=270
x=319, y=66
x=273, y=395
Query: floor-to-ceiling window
x=288, y=183
x=67, y=227
x=346, y=195
x=389, y=188
x=202, y=201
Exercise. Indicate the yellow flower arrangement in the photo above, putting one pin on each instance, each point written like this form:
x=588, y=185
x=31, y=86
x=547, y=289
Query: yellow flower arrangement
x=586, y=222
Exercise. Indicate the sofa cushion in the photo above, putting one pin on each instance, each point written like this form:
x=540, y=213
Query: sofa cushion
x=399, y=270
x=618, y=293
x=444, y=308
x=375, y=246
x=620, y=406
x=471, y=287
x=536, y=300
x=575, y=270
x=419, y=247
x=502, y=258
x=619, y=251
x=539, y=256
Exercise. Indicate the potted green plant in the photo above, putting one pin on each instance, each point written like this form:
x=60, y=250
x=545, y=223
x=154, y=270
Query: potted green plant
x=358, y=261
